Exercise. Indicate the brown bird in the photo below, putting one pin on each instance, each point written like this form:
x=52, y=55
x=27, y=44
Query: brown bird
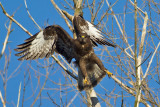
x=91, y=69
x=55, y=38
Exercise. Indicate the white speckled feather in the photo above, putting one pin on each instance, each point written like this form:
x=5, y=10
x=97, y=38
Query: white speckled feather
x=41, y=46
x=93, y=31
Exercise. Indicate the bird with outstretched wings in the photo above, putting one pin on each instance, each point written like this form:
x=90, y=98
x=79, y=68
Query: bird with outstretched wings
x=55, y=39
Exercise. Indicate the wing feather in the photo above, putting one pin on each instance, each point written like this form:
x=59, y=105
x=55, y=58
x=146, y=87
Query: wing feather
x=44, y=43
x=64, y=45
x=83, y=26
x=22, y=53
x=37, y=46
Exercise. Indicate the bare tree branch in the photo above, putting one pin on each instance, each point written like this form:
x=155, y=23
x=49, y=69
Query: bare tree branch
x=3, y=102
x=70, y=17
x=31, y=16
x=6, y=39
x=11, y=18
x=47, y=73
x=60, y=11
x=150, y=62
x=19, y=93
x=123, y=32
x=70, y=102
x=137, y=7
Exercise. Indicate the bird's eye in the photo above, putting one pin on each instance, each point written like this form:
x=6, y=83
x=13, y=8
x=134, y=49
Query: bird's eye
x=83, y=36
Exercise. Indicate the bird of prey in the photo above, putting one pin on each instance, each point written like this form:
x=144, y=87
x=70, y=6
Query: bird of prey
x=55, y=39
x=83, y=26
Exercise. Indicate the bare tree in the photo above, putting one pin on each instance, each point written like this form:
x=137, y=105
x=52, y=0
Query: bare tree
x=135, y=63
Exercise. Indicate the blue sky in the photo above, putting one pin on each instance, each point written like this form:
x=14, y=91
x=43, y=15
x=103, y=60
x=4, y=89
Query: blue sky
x=44, y=13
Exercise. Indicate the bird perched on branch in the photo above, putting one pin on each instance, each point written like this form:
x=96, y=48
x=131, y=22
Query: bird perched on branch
x=55, y=39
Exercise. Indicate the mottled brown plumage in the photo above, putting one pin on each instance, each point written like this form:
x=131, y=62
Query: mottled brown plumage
x=91, y=69
x=55, y=39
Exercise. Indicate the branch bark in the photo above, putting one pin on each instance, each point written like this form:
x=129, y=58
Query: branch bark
x=137, y=72
x=6, y=39
x=3, y=102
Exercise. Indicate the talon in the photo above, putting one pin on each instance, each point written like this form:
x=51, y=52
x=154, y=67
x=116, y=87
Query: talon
x=108, y=73
x=85, y=81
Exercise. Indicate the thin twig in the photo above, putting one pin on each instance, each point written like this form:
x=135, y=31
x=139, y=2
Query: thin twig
x=59, y=10
x=125, y=50
x=6, y=39
x=40, y=89
x=70, y=102
x=136, y=6
x=145, y=59
x=52, y=100
x=129, y=90
x=122, y=32
x=68, y=65
x=150, y=62
x=11, y=18
x=64, y=68
x=19, y=93
x=31, y=16
x=3, y=102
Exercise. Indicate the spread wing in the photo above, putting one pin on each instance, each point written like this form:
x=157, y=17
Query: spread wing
x=44, y=43
x=83, y=26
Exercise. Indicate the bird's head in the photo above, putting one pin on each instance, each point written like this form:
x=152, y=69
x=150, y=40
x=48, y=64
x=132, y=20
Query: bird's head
x=83, y=38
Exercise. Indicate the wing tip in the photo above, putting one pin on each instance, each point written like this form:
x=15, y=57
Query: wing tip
x=113, y=45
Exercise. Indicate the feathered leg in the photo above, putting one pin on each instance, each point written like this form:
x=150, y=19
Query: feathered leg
x=82, y=65
x=100, y=64
x=95, y=75
x=91, y=72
